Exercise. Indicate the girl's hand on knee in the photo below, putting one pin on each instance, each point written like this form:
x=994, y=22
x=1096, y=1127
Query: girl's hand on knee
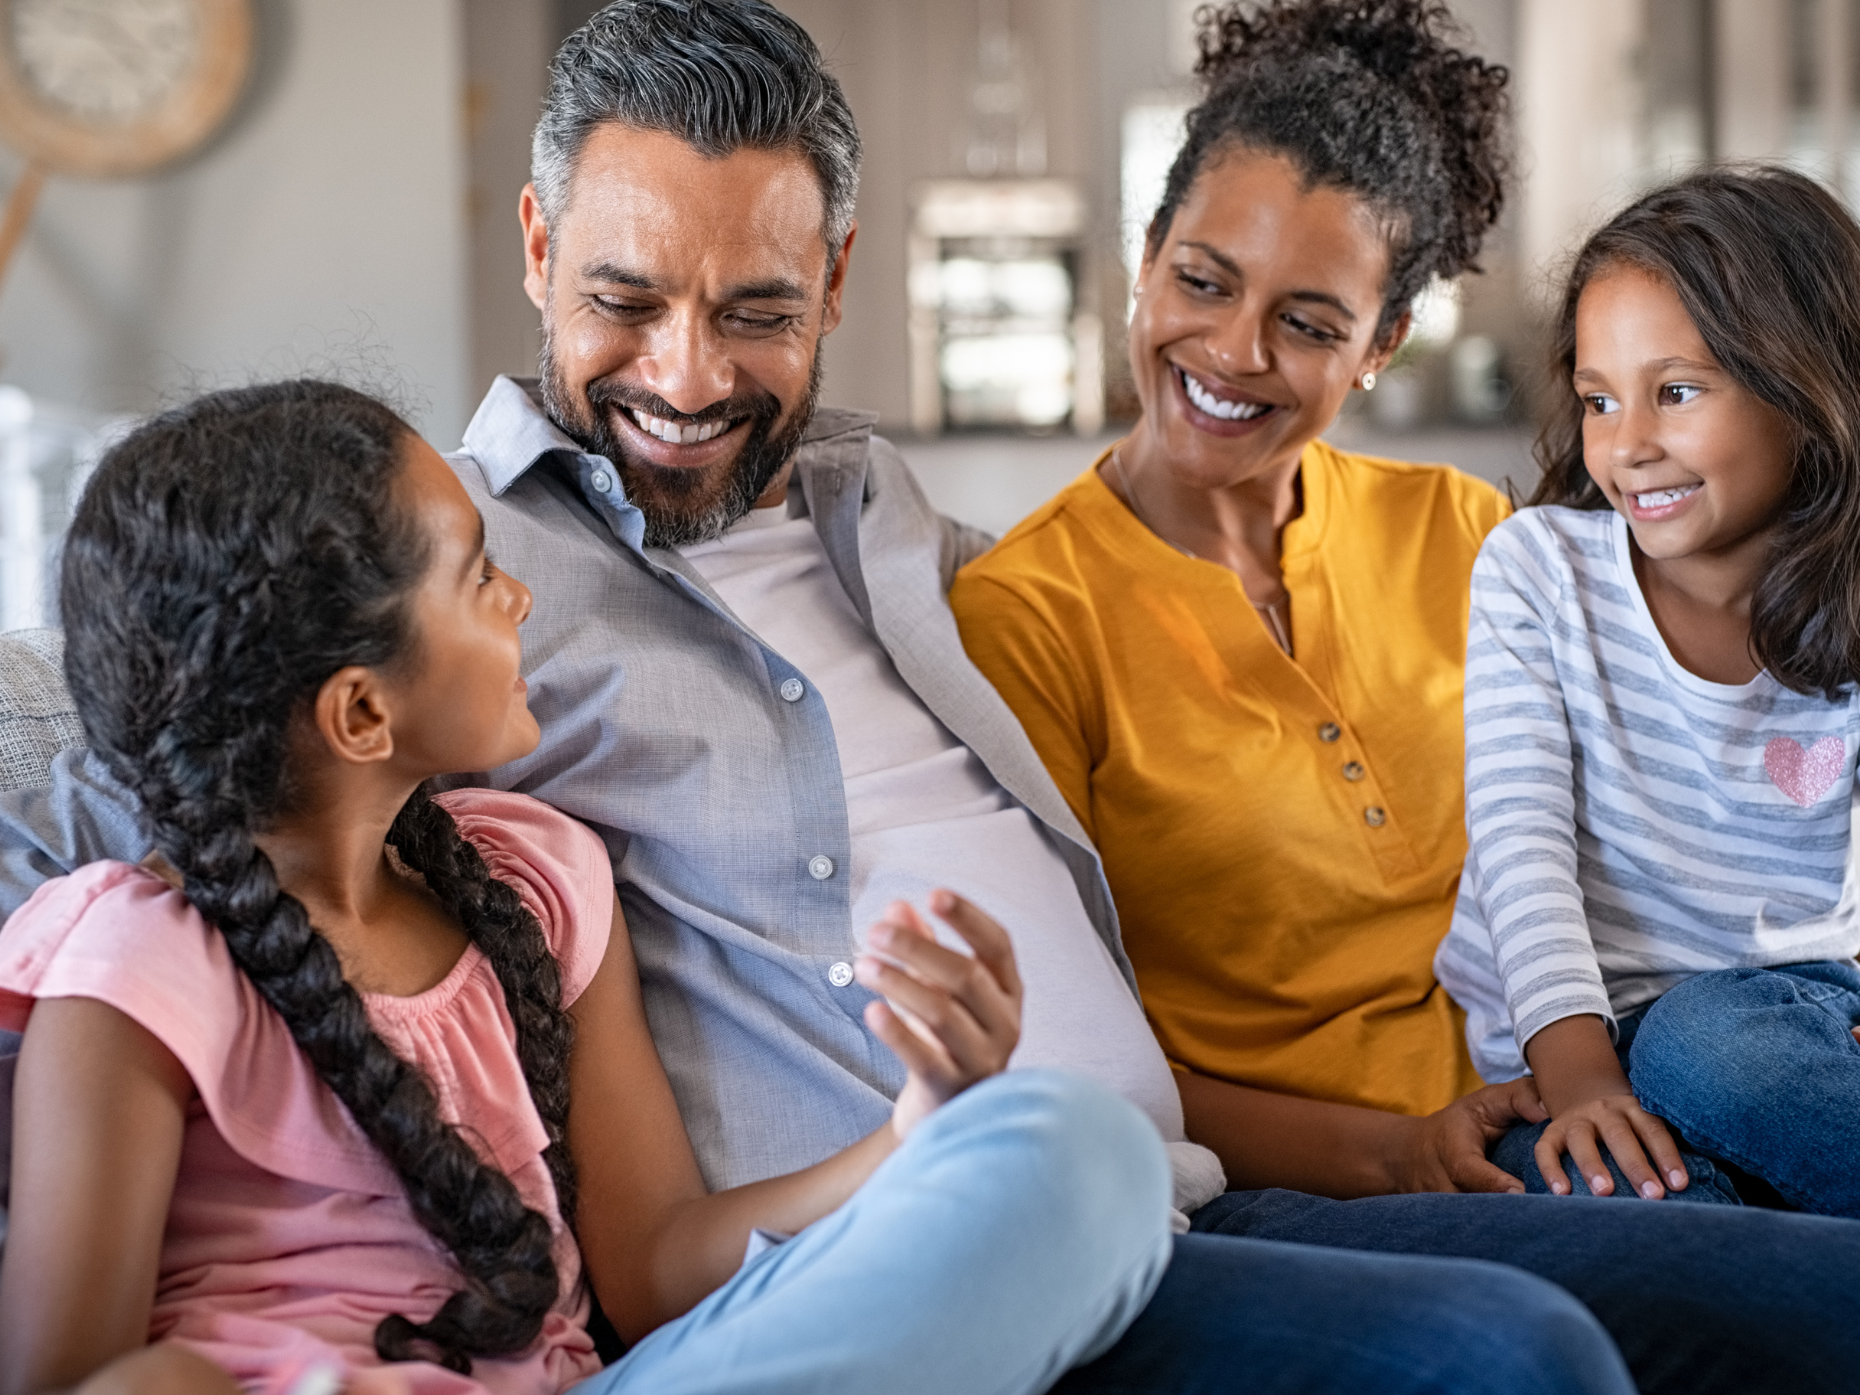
x=1592, y=1105
x=952, y=1018
x=1630, y=1134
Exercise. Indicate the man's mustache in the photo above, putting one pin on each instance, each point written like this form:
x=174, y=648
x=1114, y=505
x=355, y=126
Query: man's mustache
x=760, y=404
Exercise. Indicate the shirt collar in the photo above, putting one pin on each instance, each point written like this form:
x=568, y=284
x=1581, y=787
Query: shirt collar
x=510, y=432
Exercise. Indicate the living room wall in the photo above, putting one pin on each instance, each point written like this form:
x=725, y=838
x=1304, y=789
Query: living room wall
x=324, y=230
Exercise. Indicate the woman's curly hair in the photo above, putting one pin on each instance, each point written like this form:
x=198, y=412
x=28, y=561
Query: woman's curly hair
x=1766, y=263
x=225, y=560
x=1368, y=96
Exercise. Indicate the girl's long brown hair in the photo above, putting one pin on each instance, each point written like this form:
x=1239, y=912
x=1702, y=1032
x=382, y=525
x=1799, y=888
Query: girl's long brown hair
x=1767, y=264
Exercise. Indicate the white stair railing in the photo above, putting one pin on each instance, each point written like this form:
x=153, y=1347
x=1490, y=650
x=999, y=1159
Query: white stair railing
x=45, y=456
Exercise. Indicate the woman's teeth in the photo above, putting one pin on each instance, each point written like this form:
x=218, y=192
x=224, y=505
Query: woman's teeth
x=679, y=435
x=1660, y=498
x=1215, y=407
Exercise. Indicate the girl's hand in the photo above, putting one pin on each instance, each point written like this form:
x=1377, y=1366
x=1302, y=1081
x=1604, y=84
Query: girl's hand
x=1629, y=1131
x=952, y=1019
x=1448, y=1154
x=1592, y=1104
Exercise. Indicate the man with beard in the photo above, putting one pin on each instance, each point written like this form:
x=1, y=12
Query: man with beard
x=750, y=685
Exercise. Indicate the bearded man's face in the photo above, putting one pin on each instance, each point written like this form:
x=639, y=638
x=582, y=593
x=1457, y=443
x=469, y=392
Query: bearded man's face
x=682, y=504
x=684, y=300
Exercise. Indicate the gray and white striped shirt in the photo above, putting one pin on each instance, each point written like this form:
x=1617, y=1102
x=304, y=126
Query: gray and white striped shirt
x=1629, y=823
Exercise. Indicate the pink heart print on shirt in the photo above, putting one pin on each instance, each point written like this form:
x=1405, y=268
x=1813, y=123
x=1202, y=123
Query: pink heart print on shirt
x=1805, y=775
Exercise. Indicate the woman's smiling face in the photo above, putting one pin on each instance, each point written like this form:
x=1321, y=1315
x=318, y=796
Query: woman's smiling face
x=1255, y=317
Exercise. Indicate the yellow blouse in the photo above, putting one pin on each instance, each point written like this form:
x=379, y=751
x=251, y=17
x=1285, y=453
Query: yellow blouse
x=1283, y=836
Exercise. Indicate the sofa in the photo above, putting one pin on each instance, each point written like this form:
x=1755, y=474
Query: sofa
x=37, y=717
x=37, y=721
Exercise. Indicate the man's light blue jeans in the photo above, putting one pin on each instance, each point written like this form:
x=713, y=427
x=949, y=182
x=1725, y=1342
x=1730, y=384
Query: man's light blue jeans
x=1019, y=1230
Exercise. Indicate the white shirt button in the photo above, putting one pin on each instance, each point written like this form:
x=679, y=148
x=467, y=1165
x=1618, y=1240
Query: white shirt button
x=840, y=974
x=602, y=481
x=820, y=867
x=793, y=690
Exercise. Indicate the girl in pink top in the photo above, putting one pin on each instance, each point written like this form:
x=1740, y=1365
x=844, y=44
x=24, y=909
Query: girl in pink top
x=347, y=1085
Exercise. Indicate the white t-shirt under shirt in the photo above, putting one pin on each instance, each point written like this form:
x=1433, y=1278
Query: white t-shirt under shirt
x=925, y=813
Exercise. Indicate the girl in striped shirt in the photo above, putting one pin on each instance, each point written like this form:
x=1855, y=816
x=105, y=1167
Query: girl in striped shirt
x=1657, y=917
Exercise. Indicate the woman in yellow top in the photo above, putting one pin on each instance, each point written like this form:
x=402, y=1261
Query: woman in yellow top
x=1240, y=650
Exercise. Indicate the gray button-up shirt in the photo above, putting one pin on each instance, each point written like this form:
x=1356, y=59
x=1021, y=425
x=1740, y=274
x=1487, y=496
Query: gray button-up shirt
x=668, y=727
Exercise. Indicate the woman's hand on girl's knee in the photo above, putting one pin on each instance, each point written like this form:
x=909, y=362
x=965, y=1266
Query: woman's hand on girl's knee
x=951, y=1018
x=1450, y=1155
x=1631, y=1135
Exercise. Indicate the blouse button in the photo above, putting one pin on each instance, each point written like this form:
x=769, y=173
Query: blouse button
x=1330, y=731
x=840, y=974
x=1374, y=817
x=793, y=690
x=1352, y=770
x=820, y=866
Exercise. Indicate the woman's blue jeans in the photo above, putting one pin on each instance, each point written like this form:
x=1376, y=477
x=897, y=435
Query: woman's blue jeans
x=1022, y=1228
x=1756, y=1069
x=1701, y=1300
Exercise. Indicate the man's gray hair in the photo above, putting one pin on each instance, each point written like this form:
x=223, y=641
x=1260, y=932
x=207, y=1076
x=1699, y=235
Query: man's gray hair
x=719, y=74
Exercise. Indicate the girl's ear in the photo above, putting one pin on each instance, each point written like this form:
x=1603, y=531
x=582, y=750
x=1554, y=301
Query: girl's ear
x=351, y=716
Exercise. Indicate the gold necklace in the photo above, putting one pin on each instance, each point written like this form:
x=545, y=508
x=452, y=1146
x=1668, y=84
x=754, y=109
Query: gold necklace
x=1270, y=612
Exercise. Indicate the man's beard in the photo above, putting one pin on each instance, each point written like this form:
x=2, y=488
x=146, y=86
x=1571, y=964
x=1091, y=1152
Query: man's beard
x=681, y=505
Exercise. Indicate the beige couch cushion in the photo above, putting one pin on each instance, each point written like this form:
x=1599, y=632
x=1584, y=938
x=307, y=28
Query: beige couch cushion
x=37, y=717
x=37, y=721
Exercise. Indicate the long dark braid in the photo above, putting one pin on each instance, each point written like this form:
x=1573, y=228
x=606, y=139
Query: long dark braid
x=499, y=924
x=225, y=560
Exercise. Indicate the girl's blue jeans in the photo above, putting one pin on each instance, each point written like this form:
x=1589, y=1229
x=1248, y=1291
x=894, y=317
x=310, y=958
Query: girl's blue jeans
x=1758, y=1072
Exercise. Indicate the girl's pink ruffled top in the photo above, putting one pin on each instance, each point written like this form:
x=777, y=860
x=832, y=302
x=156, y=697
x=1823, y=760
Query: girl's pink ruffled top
x=289, y=1237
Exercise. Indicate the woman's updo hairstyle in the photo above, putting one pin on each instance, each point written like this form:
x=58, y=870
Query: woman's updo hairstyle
x=1368, y=96
x=225, y=560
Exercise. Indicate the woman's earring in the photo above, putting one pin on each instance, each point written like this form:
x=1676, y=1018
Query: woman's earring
x=1369, y=382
